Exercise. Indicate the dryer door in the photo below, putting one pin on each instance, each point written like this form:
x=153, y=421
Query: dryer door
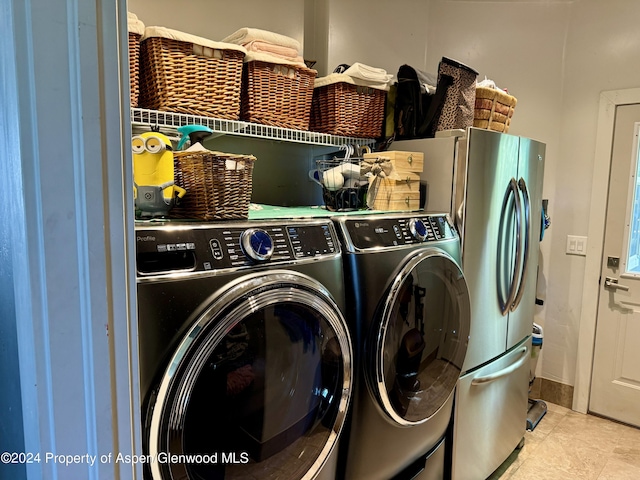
x=419, y=342
x=257, y=387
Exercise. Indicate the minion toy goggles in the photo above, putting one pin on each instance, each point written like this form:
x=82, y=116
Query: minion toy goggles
x=152, y=144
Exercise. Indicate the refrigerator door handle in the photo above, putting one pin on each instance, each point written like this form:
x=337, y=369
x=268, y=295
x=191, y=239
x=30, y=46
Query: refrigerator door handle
x=505, y=305
x=505, y=371
x=522, y=185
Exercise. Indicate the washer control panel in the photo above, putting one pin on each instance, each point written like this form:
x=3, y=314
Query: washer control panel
x=172, y=248
x=387, y=231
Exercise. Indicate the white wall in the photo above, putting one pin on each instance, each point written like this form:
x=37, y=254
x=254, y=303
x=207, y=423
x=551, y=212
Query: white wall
x=380, y=33
x=602, y=49
x=216, y=19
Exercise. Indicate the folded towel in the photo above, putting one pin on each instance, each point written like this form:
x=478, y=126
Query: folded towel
x=188, y=38
x=134, y=25
x=246, y=35
x=285, y=53
x=371, y=74
x=268, y=58
x=488, y=83
x=341, y=77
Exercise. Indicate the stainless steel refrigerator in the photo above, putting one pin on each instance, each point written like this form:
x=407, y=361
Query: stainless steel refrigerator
x=491, y=184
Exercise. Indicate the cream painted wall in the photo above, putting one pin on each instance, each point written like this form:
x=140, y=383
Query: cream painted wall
x=216, y=19
x=382, y=33
x=602, y=49
x=555, y=56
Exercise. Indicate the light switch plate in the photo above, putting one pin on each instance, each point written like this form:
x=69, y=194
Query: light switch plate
x=576, y=245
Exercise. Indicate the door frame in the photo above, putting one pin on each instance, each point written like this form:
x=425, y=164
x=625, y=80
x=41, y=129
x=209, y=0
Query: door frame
x=609, y=101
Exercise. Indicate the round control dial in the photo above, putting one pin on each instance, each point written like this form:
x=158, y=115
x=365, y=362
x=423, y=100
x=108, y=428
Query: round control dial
x=257, y=244
x=418, y=229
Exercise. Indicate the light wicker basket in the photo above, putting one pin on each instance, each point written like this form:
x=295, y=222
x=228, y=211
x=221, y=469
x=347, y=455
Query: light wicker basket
x=277, y=94
x=134, y=66
x=218, y=185
x=350, y=110
x=493, y=109
x=173, y=78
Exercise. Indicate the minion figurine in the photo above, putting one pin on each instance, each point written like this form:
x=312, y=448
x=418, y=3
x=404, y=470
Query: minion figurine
x=154, y=192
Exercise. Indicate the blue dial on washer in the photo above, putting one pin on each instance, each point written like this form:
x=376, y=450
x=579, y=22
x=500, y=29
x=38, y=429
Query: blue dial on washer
x=257, y=244
x=418, y=229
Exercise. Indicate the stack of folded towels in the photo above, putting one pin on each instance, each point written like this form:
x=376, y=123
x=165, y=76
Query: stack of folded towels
x=359, y=74
x=266, y=46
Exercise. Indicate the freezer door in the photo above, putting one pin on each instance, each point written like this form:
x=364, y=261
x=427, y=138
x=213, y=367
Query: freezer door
x=490, y=414
x=529, y=180
x=492, y=160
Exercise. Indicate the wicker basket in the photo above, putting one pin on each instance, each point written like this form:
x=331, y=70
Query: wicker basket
x=218, y=185
x=277, y=94
x=174, y=78
x=134, y=66
x=344, y=109
x=135, y=28
x=493, y=109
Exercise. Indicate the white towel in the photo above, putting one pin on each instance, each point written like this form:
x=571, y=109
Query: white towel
x=367, y=73
x=246, y=35
x=134, y=25
x=265, y=57
x=341, y=77
x=285, y=53
x=188, y=38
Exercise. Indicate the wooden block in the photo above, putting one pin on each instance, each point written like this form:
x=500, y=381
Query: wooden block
x=402, y=161
x=399, y=193
x=397, y=201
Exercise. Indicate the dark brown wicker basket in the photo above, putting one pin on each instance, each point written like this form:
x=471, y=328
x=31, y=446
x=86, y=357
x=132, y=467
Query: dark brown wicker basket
x=344, y=109
x=134, y=66
x=173, y=78
x=218, y=185
x=277, y=95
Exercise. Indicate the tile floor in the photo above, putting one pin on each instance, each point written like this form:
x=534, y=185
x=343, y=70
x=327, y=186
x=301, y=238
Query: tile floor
x=567, y=445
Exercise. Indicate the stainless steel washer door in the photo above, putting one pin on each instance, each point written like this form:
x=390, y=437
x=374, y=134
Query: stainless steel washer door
x=418, y=343
x=258, y=386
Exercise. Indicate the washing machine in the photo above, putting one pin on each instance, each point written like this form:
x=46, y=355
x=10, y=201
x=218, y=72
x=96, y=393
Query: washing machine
x=409, y=311
x=245, y=356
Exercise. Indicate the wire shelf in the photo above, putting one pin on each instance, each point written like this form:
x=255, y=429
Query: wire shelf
x=167, y=122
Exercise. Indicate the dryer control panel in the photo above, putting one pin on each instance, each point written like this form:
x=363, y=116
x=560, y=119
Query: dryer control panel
x=183, y=248
x=390, y=231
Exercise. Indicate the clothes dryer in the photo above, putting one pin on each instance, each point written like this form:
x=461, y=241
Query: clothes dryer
x=244, y=353
x=408, y=307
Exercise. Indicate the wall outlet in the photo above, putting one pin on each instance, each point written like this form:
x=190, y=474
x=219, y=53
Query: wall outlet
x=576, y=245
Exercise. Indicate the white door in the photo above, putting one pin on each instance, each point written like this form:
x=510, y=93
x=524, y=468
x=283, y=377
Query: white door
x=615, y=387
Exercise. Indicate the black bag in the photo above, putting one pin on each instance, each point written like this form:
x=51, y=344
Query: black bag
x=416, y=109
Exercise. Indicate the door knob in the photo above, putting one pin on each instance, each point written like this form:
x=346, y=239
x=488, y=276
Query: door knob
x=612, y=284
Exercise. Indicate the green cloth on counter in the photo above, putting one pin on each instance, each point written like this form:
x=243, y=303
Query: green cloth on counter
x=265, y=212
x=268, y=212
